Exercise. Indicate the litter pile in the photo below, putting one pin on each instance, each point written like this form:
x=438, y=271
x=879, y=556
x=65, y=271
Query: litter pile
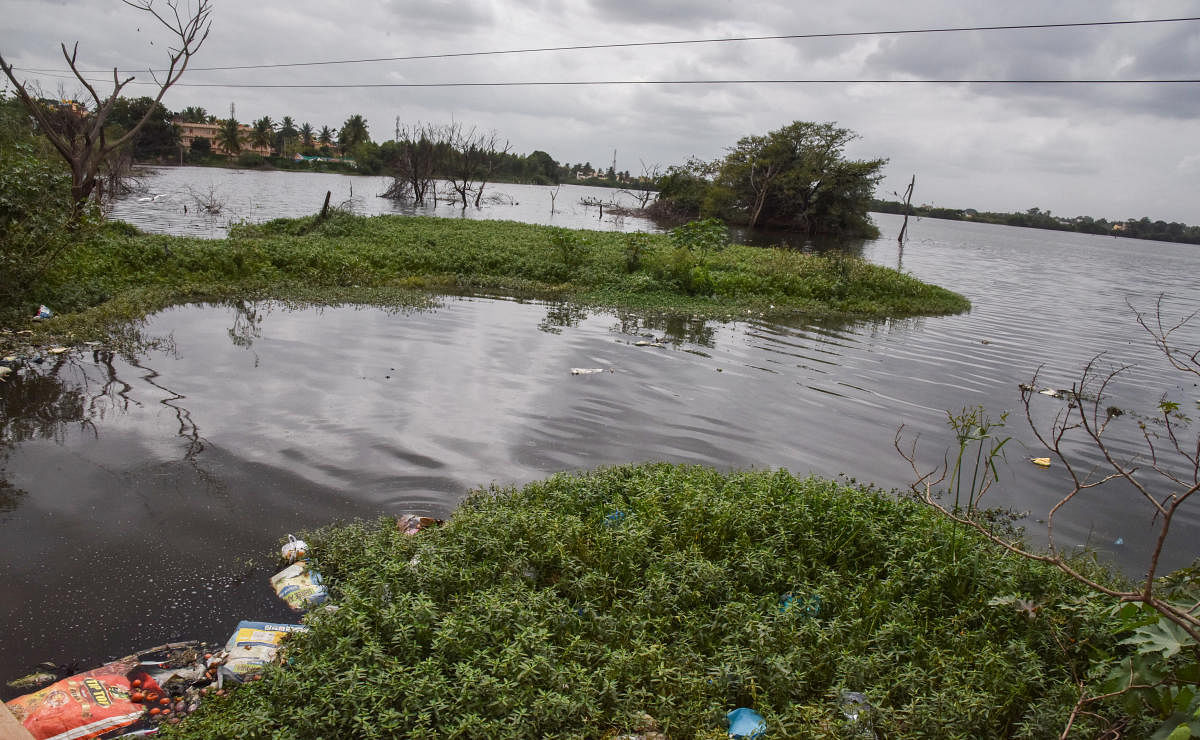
x=133, y=696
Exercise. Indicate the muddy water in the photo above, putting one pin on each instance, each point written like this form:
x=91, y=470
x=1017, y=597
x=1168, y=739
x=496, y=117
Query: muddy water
x=145, y=493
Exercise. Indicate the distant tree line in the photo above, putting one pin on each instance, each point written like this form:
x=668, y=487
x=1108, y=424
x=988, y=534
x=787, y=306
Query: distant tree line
x=1036, y=218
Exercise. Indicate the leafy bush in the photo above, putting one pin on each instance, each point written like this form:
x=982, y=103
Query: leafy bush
x=701, y=237
x=37, y=222
x=572, y=606
x=251, y=159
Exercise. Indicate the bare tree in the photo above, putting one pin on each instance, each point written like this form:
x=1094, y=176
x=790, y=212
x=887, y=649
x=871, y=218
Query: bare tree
x=646, y=188
x=492, y=154
x=472, y=158
x=1164, y=478
x=79, y=136
x=415, y=168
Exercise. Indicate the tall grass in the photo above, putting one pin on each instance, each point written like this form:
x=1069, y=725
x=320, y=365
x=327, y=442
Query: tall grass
x=572, y=606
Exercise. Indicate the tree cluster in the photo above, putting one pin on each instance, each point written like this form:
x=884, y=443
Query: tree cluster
x=796, y=178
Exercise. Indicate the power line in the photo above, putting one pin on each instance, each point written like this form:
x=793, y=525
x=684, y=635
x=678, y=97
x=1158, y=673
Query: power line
x=634, y=44
x=568, y=83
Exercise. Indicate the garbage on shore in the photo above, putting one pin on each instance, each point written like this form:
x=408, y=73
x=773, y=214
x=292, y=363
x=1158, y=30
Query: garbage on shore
x=132, y=696
x=254, y=646
x=299, y=586
x=413, y=523
x=134, y=693
x=746, y=723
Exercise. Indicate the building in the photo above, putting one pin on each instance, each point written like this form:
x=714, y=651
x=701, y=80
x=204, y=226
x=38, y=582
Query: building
x=189, y=132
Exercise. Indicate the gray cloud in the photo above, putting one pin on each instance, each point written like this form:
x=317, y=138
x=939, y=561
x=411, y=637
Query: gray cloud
x=989, y=147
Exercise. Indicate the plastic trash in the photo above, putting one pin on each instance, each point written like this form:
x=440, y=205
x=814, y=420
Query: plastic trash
x=586, y=370
x=1043, y=462
x=810, y=604
x=299, y=586
x=43, y=313
x=5, y=371
x=294, y=549
x=413, y=523
x=856, y=708
x=1119, y=541
x=253, y=646
x=746, y=723
x=614, y=518
x=86, y=705
x=644, y=343
x=57, y=350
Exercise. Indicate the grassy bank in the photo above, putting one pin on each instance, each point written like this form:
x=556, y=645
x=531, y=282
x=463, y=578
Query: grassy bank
x=120, y=273
x=573, y=606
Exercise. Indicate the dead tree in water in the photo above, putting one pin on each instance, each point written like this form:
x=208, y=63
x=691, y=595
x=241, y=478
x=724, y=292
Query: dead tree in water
x=907, y=209
x=415, y=169
x=78, y=135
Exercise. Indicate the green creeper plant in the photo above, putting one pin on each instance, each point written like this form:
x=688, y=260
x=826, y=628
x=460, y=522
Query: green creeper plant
x=1161, y=615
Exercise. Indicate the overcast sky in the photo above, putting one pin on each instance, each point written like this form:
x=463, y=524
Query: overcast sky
x=1106, y=151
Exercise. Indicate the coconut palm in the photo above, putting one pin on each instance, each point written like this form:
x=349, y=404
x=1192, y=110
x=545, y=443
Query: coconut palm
x=306, y=134
x=353, y=133
x=287, y=134
x=263, y=133
x=325, y=138
x=229, y=136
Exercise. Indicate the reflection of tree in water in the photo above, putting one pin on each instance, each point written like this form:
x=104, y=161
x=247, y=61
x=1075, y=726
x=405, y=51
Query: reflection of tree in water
x=35, y=406
x=562, y=315
x=43, y=401
x=674, y=328
x=247, y=322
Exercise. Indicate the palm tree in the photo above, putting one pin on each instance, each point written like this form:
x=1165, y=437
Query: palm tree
x=353, y=133
x=229, y=136
x=263, y=133
x=287, y=134
x=306, y=134
x=325, y=138
x=193, y=114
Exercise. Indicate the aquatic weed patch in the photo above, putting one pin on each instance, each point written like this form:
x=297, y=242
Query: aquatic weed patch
x=333, y=259
x=571, y=606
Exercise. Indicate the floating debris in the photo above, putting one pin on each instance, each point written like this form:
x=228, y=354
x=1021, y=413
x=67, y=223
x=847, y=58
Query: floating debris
x=5, y=371
x=1051, y=392
x=588, y=370
x=644, y=343
x=42, y=313
x=1043, y=462
x=32, y=681
x=57, y=350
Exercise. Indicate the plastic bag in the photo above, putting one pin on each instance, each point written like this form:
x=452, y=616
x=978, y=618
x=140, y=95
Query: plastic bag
x=253, y=646
x=299, y=586
x=86, y=705
x=294, y=549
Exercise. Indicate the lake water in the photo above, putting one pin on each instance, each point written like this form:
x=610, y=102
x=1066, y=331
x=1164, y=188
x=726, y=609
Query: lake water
x=146, y=494
x=158, y=204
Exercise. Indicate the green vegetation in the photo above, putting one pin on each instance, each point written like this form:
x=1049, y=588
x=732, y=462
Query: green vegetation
x=1036, y=218
x=794, y=178
x=571, y=607
x=344, y=253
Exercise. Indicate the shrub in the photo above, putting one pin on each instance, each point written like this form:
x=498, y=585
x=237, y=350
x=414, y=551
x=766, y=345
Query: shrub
x=572, y=606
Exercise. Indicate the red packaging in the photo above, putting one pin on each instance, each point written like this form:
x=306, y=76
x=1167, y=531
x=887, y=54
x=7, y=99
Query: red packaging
x=86, y=705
